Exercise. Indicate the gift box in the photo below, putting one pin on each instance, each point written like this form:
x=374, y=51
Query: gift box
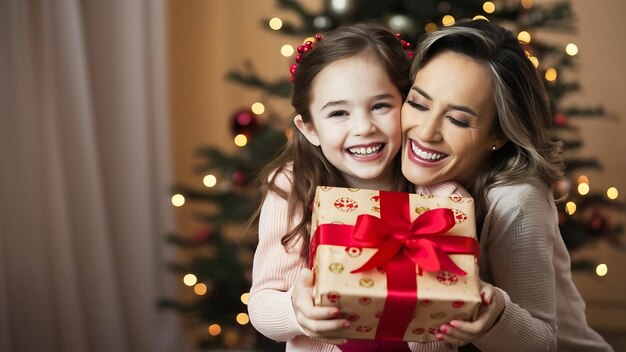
x=397, y=264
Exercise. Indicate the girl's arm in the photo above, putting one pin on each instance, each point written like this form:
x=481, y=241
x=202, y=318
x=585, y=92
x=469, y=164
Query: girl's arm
x=274, y=271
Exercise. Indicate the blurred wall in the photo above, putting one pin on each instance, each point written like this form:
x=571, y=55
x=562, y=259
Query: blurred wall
x=208, y=38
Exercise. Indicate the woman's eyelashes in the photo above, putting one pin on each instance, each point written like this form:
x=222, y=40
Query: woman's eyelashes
x=456, y=121
x=416, y=105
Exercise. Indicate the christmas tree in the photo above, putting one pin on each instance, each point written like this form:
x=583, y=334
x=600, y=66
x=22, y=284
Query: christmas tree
x=220, y=252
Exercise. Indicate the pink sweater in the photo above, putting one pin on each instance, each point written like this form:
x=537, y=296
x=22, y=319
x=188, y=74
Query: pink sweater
x=275, y=270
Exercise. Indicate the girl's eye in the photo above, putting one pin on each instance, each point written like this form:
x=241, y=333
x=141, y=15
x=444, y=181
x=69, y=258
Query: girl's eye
x=339, y=113
x=415, y=105
x=460, y=123
x=381, y=106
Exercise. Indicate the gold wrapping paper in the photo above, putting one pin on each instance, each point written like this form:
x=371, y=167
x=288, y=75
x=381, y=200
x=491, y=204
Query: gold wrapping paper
x=442, y=296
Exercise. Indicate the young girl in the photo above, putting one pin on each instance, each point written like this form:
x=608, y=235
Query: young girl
x=348, y=91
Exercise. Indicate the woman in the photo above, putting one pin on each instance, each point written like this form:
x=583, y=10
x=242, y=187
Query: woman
x=477, y=113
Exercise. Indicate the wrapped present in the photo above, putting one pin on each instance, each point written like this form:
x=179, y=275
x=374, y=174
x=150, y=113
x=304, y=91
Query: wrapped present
x=397, y=264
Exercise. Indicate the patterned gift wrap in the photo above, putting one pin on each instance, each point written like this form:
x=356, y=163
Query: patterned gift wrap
x=394, y=277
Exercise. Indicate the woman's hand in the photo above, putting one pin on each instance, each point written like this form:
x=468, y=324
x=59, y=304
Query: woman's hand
x=458, y=332
x=314, y=320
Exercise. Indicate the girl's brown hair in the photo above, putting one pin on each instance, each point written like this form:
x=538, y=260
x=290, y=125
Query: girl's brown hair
x=309, y=165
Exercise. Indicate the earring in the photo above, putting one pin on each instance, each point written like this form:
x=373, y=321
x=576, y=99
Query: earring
x=493, y=148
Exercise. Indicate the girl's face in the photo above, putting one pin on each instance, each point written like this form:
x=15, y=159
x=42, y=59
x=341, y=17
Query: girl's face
x=355, y=112
x=447, y=121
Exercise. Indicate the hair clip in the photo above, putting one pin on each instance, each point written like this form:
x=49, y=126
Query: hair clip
x=406, y=45
x=306, y=47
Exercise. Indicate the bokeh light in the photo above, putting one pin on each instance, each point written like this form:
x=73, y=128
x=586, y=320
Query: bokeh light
x=215, y=329
x=209, y=180
x=190, y=279
x=602, y=269
x=551, y=74
x=276, y=23
x=447, y=20
x=242, y=318
x=571, y=49
x=612, y=193
x=178, y=200
x=241, y=140
x=258, y=108
x=489, y=7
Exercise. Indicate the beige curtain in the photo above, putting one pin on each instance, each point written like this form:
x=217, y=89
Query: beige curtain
x=84, y=176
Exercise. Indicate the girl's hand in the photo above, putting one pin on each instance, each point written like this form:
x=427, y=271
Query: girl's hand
x=458, y=332
x=314, y=320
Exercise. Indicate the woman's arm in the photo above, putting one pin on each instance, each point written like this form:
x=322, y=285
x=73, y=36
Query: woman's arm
x=518, y=237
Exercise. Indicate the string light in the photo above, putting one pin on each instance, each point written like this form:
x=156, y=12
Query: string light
x=209, y=180
x=244, y=298
x=286, y=50
x=480, y=17
x=447, y=20
x=524, y=37
x=551, y=74
x=534, y=61
x=570, y=208
x=583, y=179
x=258, y=108
x=489, y=7
x=242, y=318
x=215, y=329
x=602, y=269
x=200, y=289
x=583, y=188
x=430, y=27
x=276, y=23
x=612, y=193
x=190, y=279
x=241, y=140
x=178, y=200
x=571, y=49
x=527, y=4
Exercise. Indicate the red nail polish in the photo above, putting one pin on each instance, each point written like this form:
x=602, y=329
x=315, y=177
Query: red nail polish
x=439, y=337
x=444, y=329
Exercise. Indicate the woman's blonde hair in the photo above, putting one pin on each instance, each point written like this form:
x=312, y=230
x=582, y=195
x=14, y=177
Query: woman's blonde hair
x=523, y=113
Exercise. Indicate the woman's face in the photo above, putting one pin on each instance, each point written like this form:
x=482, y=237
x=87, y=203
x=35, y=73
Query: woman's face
x=447, y=121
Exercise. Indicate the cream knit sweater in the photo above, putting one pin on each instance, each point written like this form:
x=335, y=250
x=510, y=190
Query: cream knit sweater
x=519, y=240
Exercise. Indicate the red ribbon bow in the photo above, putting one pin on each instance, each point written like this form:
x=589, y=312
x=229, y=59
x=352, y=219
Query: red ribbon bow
x=422, y=240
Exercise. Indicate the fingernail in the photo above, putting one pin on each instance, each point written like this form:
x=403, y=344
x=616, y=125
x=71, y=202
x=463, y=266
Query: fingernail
x=491, y=300
x=444, y=329
x=335, y=314
x=346, y=325
x=482, y=298
x=455, y=323
x=439, y=337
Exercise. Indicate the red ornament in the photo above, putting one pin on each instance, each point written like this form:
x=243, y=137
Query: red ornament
x=239, y=178
x=560, y=119
x=202, y=235
x=244, y=122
